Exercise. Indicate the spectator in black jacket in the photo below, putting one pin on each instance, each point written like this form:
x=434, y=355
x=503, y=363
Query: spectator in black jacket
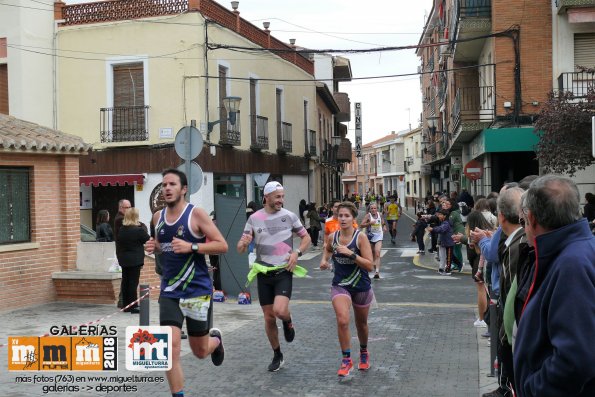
x=103, y=229
x=131, y=256
x=466, y=198
x=419, y=230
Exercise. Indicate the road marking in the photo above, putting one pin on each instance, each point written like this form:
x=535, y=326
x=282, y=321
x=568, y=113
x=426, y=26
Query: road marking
x=437, y=277
x=409, y=252
x=308, y=256
x=396, y=304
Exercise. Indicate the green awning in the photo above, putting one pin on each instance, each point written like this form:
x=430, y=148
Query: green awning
x=509, y=140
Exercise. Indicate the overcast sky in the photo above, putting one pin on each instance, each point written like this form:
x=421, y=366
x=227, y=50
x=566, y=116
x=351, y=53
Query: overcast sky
x=388, y=104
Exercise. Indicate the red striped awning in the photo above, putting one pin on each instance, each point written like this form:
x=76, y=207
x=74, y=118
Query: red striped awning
x=112, y=180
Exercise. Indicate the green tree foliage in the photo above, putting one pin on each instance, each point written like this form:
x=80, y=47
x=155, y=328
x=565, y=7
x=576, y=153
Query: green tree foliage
x=564, y=129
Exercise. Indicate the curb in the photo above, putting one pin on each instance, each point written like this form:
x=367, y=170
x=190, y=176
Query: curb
x=418, y=263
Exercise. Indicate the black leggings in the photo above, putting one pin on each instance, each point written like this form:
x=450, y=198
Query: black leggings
x=313, y=232
x=419, y=237
x=130, y=277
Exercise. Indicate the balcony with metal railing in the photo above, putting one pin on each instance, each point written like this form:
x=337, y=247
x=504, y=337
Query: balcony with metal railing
x=259, y=132
x=578, y=83
x=469, y=18
x=344, y=104
x=231, y=137
x=472, y=110
x=124, y=124
x=284, y=137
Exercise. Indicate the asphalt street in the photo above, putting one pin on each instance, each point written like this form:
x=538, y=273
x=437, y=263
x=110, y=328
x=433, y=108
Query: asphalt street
x=422, y=341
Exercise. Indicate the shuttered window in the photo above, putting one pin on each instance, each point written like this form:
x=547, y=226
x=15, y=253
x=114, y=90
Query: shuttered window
x=584, y=50
x=129, y=116
x=15, y=225
x=129, y=86
x=4, y=89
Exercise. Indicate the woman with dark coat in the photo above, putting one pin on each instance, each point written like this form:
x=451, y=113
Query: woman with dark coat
x=131, y=256
x=103, y=229
x=315, y=224
x=302, y=207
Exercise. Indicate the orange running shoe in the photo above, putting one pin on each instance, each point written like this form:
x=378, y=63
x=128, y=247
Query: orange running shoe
x=364, y=360
x=346, y=367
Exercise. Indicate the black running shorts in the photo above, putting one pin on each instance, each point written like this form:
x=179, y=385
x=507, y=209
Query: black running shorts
x=171, y=314
x=270, y=286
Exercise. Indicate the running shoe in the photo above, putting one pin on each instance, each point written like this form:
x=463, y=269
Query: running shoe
x=277, y=363
x=218, y=354
x=346, y=367
x=480, y=324
x=364, y=360
x=376, y=275
x=288, y=331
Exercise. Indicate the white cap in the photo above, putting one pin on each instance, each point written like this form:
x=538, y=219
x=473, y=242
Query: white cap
x=271, y=187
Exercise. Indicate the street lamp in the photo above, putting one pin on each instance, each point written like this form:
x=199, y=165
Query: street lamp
x=232, y=105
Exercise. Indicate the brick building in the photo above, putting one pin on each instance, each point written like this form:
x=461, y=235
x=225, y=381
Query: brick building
x=39, y=209
x=487, y=70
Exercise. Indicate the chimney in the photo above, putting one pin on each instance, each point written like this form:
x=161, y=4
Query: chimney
x=266, y=25
x=58, y=10
x=234, y=6
x=193, y=5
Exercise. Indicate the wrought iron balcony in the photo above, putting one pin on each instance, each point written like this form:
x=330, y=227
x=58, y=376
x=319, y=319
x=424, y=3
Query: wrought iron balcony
x=576, y=82
x=124, y=124
x=230, y=137
x=259, y=127
x=475, y=8
x=284, y=137
x=232, y=134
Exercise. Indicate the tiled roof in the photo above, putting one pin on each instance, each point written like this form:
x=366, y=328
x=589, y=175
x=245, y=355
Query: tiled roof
x=22, y=136
x=385, y=138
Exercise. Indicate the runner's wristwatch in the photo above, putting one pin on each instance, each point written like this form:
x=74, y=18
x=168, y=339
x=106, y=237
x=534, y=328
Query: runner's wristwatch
x=195, y=247
x=298, y=252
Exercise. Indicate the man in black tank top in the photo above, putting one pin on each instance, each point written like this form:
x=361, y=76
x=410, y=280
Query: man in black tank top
x=176, y=304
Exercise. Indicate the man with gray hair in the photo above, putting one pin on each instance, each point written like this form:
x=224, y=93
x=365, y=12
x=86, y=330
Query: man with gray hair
x=553, y=353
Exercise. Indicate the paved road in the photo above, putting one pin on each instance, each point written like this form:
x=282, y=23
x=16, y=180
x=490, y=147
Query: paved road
x=422, y=341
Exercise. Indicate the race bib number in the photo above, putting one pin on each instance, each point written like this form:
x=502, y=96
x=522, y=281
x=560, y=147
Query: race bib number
x=196, y=308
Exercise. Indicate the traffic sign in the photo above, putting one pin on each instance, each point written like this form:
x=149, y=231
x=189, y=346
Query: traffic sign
x=188, y=143
x=194, y=174
x=473, y=170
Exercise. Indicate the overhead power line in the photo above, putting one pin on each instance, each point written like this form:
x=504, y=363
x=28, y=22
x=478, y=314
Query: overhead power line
x=215, y=46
